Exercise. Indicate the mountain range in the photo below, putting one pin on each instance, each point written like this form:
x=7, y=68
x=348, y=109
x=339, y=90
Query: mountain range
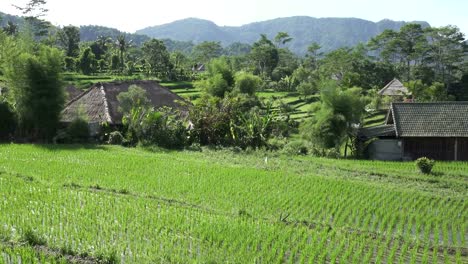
x=330, y=33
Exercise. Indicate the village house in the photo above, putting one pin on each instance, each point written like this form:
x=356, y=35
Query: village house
x=394, y=89
x=436, y=130
x=100, y=105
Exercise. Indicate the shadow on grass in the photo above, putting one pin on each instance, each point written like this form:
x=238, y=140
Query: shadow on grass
x=59, y=147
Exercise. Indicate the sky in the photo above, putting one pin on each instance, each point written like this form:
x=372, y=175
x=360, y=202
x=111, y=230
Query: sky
x=132, y=15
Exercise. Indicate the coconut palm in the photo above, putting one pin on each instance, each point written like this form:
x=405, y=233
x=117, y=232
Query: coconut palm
x=122, y=45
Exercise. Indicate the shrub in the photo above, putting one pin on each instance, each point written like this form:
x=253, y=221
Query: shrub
x=425, y=165
x=247, y=83
x=326, y=153
x=332, y=153
x=297, y=147
x=277, y=143
x=115, y=138
x=163, y=127
x=36, y=87
x=62, y=137
x=78, y=131
x=7, y=122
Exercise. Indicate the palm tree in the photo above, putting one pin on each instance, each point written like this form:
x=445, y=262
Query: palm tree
x=122, y=45
x=103, y=42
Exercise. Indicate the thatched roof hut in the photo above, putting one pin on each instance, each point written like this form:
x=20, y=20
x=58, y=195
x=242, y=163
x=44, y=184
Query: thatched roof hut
x=100, y=102
x=394, y=88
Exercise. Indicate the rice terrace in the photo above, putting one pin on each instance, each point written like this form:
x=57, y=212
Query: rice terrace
x=89, y=204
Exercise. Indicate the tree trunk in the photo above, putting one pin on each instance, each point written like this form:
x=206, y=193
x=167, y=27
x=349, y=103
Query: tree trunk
x=346, y=148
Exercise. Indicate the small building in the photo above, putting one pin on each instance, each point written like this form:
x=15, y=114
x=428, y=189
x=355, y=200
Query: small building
x=394, y=88
x=100, y=105
x=412, y=130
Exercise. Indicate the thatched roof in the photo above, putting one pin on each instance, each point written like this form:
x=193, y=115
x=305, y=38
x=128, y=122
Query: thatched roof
x=72, y=92
x=100, y=102
x=394, y=88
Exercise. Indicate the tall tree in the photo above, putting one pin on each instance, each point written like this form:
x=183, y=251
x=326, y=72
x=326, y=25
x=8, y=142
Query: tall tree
x=122, y=45
x=238, y=49
x=447, y=52
x=340, y=111
x=264, y=56
x=69, y=40
x=287, y=63
x=34, y=10
x=407, y=48
x=87, y=61
x=219, y=79
x=412, y=44
x=206, y=51
x=313, y=55
x=156, y=55
x=37, y=90
x=282, y=38
x=385, y=45
x=100, y=47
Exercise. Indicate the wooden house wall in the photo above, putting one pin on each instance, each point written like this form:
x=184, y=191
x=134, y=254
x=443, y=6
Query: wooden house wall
x=435, y=148
x=463, y=149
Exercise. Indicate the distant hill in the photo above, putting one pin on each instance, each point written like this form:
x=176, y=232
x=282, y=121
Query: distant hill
x=330, y=33
x=87, y=33
x=4, y=18
x=91, y=33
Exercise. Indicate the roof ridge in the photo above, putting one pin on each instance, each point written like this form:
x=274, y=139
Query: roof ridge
x=394, y=121
x=389, y=84
x=106, y=104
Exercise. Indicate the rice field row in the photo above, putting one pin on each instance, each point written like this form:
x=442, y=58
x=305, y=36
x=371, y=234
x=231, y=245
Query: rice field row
x=134, y=206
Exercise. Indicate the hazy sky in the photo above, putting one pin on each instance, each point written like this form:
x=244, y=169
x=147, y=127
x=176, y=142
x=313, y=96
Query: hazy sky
x=130, y=15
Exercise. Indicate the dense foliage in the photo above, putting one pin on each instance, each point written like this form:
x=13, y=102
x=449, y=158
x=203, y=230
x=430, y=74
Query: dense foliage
x=37, y=91
x=430, y=61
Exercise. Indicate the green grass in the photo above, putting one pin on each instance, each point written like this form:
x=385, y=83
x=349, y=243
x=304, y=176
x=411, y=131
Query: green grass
x=111, y=202
x=81, y=81
x=374, y=119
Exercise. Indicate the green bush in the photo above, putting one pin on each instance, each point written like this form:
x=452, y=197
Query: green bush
x=78, y=131
x=277, y=143
x=425, y=165
x=332, y=153
x=115, y=138
x=326, y=153
x=7, y=121
x=297, y=147
x=162, y=127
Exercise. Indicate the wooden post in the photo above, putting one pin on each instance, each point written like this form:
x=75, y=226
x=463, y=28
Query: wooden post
x=402, y=149
x=456, y=149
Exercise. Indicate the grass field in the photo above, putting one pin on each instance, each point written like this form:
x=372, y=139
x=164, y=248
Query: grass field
x=111, y=204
